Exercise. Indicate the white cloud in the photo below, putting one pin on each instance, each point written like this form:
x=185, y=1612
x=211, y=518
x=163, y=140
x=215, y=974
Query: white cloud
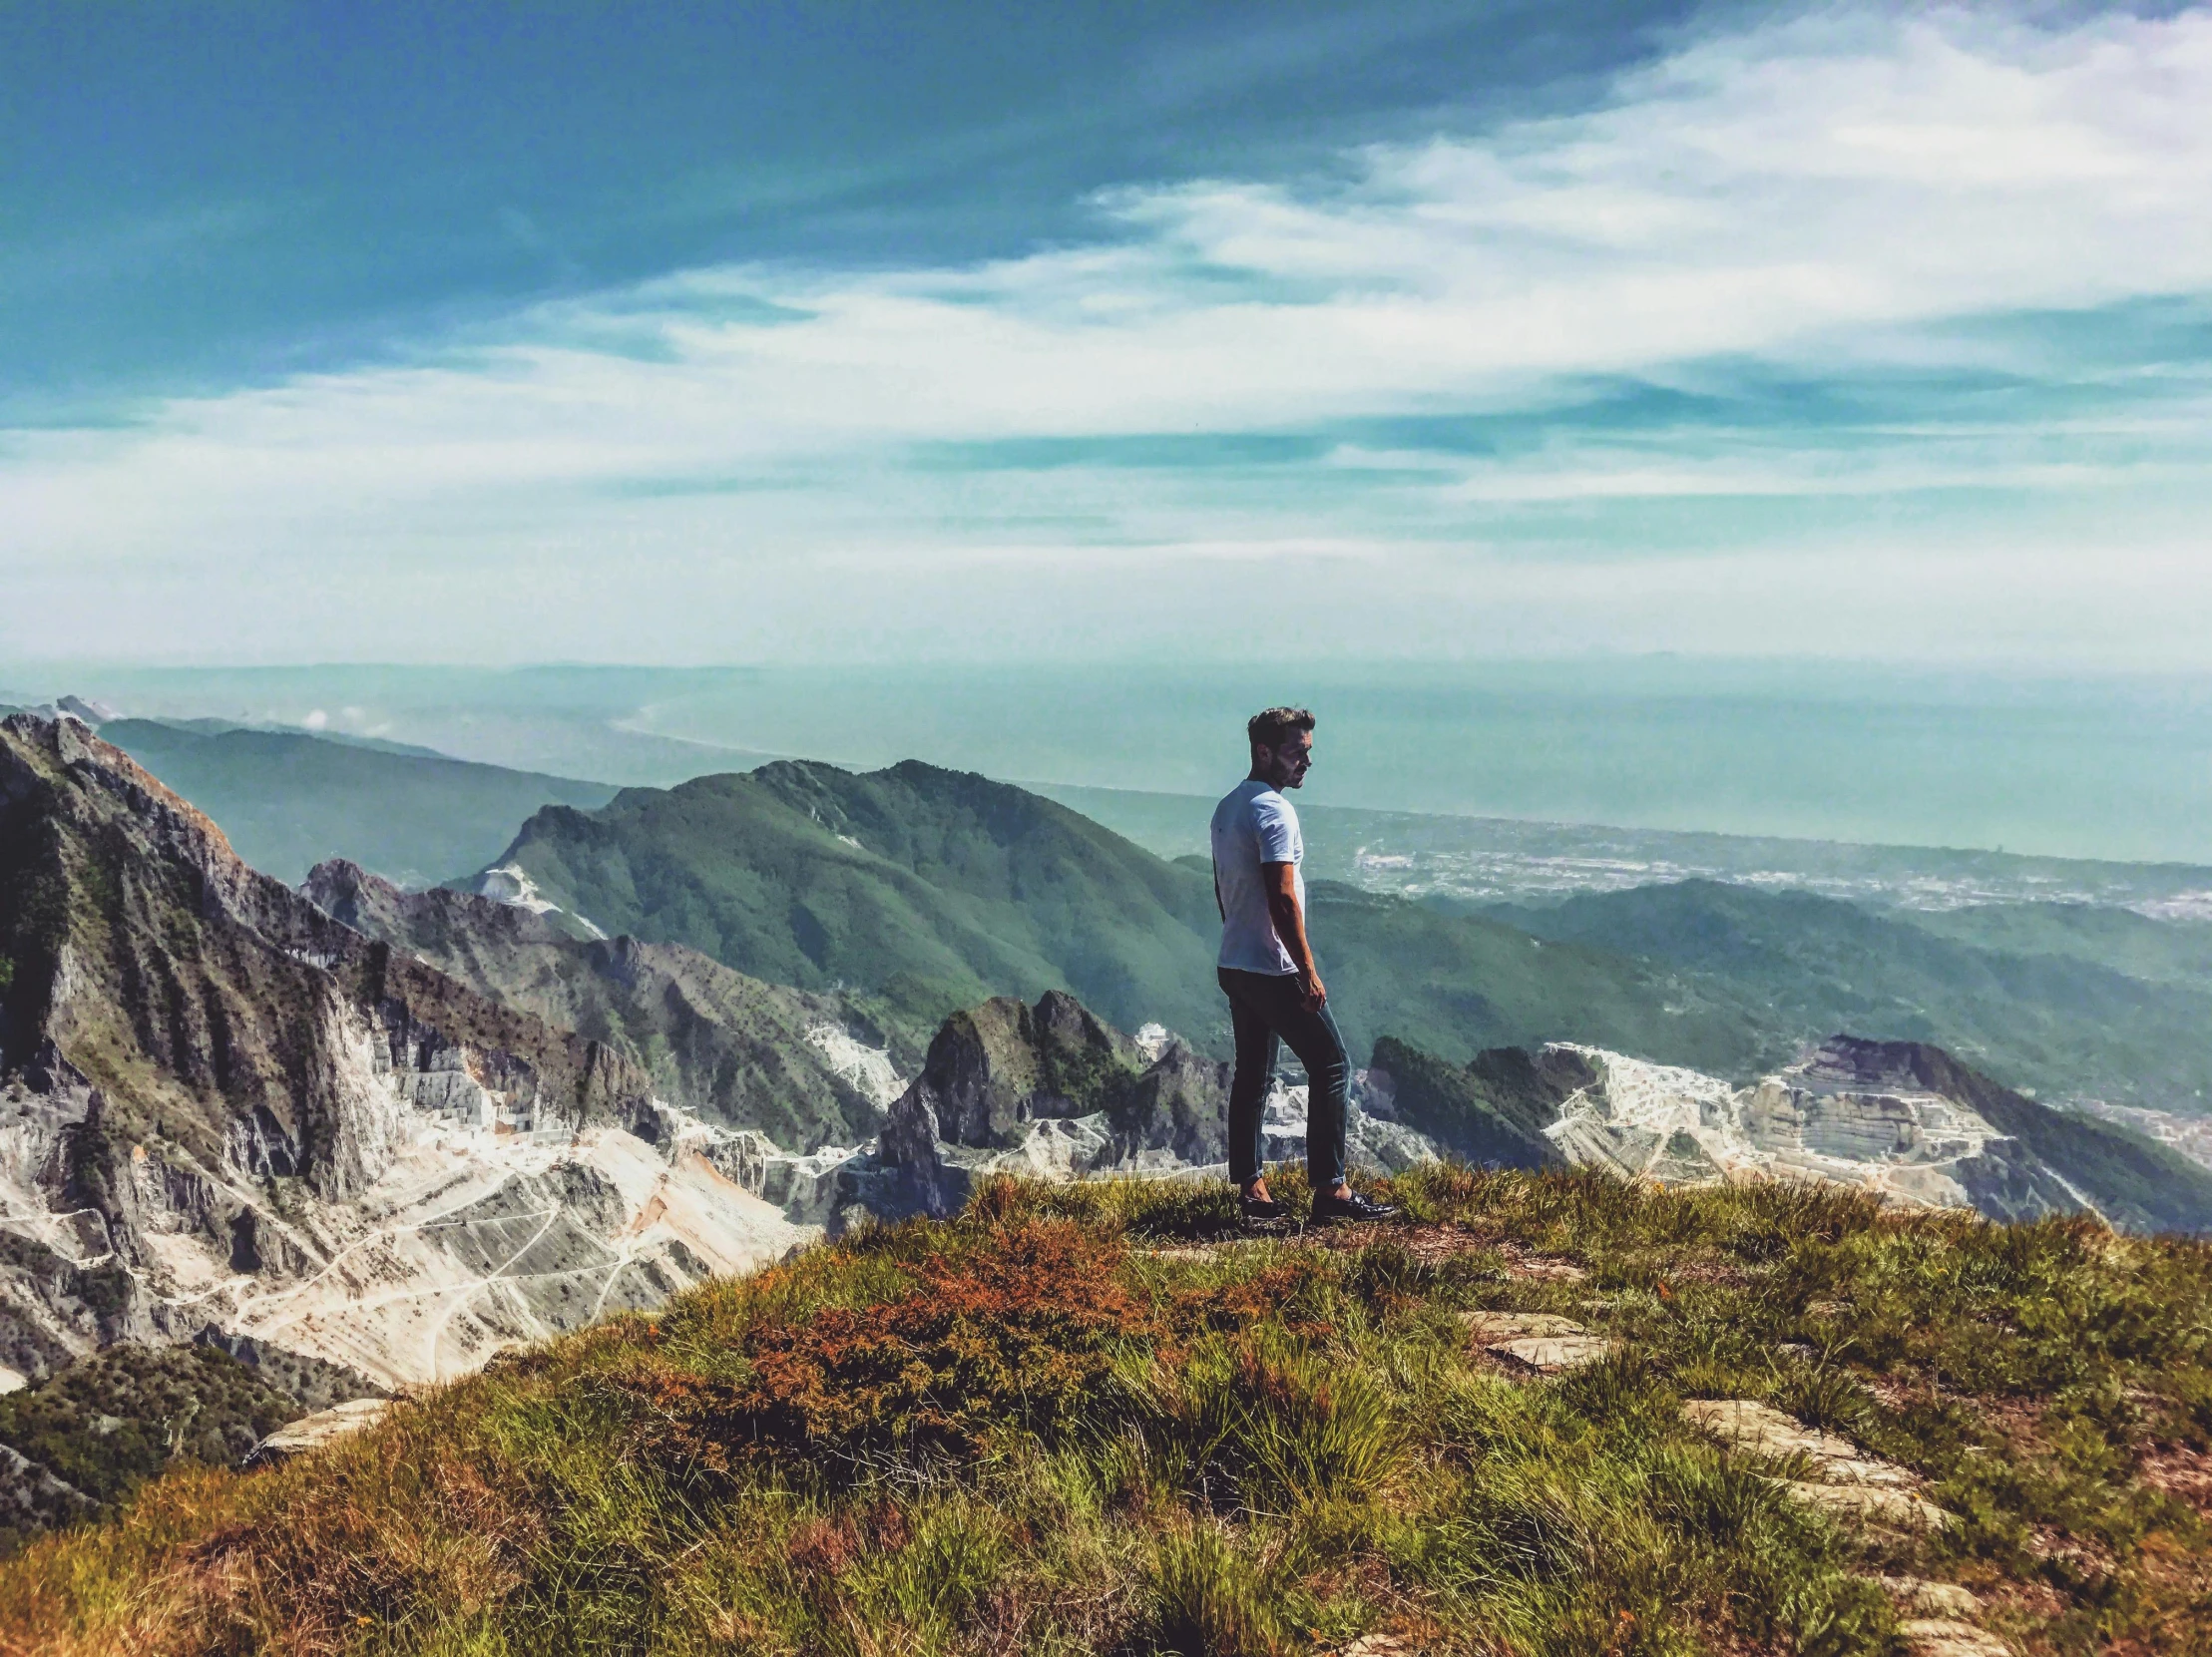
x=1817, y=192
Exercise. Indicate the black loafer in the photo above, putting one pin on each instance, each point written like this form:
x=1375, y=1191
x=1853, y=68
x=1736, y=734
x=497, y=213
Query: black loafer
x=1329, y=1207
x=1258, y=1208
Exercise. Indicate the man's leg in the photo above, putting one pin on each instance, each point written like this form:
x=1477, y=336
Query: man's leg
x=1255, y=1072
x=1312, y=1034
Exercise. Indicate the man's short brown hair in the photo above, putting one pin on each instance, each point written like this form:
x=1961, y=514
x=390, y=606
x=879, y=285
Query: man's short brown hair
x=1268, y=727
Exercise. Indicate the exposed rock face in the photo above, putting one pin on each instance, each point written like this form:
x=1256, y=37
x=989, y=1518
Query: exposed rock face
x=804, y=1069
x=1495, y=1111
x=324, y=1427
x=1901, y=1119
x=218, y=1104
x=995, y=1068
x=1898, y=1118
x=1051, y=1092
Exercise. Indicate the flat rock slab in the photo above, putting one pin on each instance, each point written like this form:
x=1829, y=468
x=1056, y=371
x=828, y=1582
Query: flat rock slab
x=1941, y=1600
x=1491, y=1328
x=322, y=1428
x=1544, y=1265
x=1742, y=1423
x=1549, y=1355
x=1870, y=1504
x=1851, y=1486
x=1946, y=1637
x=1544, y=1340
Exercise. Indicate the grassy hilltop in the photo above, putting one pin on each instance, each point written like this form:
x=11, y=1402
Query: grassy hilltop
x=1090, y=1419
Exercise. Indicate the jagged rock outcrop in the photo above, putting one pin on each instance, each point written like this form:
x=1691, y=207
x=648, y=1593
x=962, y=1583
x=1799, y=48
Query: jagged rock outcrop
x=995, y=1068
x=218, y=1103
x=1902, y=1119
x=806, y=1070
x=213, y=1009
x=1051, y=1092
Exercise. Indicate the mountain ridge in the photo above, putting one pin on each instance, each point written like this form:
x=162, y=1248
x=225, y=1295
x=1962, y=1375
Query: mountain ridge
x=911, y=881
x=732, y=1050
x=289, y=799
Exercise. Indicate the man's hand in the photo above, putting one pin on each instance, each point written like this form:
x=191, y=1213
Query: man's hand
x=1291, y=927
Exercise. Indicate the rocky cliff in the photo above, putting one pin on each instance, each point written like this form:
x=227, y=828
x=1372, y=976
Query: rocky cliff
x=806, y=1070
x=219, y=1105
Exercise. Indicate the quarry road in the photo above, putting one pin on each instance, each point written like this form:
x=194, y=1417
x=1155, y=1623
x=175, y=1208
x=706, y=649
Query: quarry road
x=387, y=1233
x=45, y=1217
x=259, y=1307
x=631, y=1251
x=649, y=1212
x=465, y=1295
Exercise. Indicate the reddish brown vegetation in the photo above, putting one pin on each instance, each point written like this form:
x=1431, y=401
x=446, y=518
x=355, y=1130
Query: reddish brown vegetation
x=1021, y=1329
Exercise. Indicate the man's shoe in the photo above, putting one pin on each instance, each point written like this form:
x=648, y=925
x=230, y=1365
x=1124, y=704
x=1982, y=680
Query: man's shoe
x=1258, y=1208
x=1329, y=1207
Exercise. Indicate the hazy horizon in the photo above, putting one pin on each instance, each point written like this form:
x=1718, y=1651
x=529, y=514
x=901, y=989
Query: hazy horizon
x=2108, y=766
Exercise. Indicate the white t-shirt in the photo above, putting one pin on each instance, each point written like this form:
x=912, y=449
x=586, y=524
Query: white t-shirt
x=1254, y=825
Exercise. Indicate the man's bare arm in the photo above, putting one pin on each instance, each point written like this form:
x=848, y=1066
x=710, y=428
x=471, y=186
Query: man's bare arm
x=1291, y=927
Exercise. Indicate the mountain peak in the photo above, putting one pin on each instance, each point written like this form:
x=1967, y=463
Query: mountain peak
x=63, y=753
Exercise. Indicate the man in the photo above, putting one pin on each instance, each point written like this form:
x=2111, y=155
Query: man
x=1267, y=970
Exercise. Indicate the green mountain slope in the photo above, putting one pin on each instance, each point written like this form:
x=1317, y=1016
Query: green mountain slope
x=90, y=1434
x=2055, y=1023
x=938, y=888
x=2163, y=952
x=288, y=802
x=1455, y=984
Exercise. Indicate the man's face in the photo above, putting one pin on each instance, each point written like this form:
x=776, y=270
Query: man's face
x=1286, y=763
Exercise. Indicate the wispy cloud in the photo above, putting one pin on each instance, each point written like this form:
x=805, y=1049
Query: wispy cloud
x=1818, y=237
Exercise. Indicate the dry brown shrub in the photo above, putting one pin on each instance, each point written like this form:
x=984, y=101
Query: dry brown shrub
x=1019, y=1331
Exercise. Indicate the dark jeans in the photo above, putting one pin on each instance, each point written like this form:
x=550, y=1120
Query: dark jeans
x=1265, y=1010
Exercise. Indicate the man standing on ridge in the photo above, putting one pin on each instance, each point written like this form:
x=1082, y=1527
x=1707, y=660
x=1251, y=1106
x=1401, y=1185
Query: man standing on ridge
x=1267, y=970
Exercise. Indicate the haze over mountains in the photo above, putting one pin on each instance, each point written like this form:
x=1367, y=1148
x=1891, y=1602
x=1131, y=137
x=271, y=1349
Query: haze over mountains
x=928, y=892
x=362, y=1138
x=289, y=799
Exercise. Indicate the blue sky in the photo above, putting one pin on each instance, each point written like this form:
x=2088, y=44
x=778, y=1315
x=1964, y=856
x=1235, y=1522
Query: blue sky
x=1018, y=333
